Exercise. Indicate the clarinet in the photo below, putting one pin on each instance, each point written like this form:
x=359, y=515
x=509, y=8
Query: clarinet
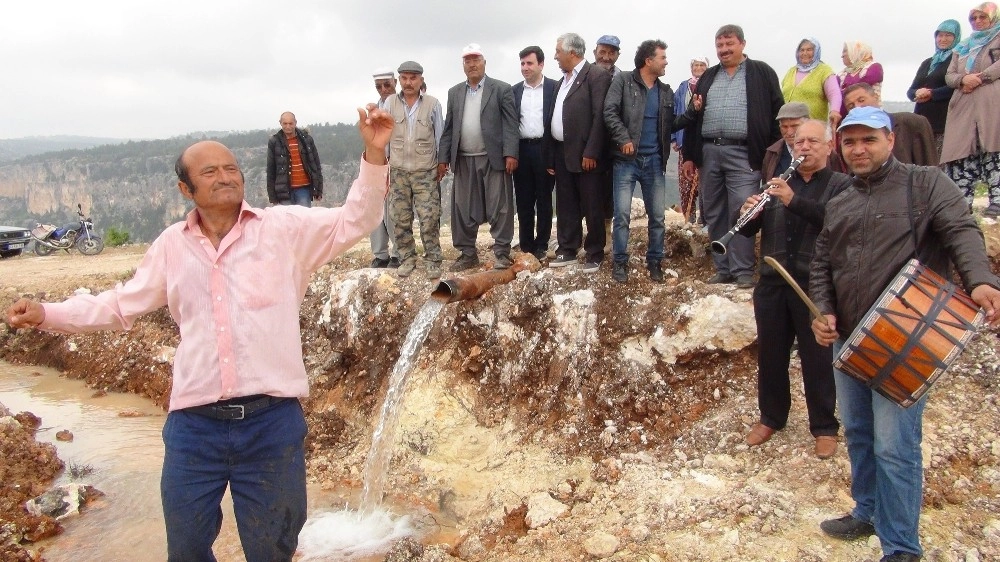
x=719, y=246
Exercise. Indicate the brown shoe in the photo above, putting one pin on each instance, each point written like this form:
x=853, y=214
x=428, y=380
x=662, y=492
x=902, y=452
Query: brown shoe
x=826, y=446
x=759, y=433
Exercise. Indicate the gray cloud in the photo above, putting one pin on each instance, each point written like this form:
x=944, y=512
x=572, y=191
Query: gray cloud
x=127, y=69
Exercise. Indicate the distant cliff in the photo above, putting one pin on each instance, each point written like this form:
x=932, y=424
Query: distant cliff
x=132, y=185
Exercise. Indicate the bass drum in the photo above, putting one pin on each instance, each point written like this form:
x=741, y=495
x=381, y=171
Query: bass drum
x=90, y=246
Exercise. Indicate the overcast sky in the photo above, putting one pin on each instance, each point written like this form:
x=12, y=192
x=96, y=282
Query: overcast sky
x=129, y=69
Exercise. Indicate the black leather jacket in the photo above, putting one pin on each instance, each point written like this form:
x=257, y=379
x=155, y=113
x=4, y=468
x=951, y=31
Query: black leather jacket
x=623, y=114
x=866, y=239
x=279, y=167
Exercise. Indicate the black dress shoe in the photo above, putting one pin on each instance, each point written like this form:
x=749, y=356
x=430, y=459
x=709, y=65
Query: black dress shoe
x=900, y=556
x=380, y=263
x=721, y=278
x=394, y=262
x=847, y=528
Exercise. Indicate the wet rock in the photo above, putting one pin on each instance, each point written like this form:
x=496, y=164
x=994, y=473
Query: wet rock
x=471, y=548
x=601, y=544
x=405, y=550
x=64, y=435
x=543, y=509
x=62, y=501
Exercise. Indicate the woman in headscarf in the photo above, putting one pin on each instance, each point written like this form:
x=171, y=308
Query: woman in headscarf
x=972, y=132
x=929, y=90
x=812, y=82
x=859, y=66
x=688, y=187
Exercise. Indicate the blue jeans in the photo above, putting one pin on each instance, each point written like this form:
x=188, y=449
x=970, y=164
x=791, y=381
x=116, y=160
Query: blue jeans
x=883, y=443
x=300, y=196
x=648, y=171
x=260, y=458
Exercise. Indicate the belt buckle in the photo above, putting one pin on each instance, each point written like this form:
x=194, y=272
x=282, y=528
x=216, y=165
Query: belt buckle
x=233, y=411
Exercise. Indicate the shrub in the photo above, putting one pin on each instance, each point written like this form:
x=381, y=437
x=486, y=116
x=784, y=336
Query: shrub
x=115, y=236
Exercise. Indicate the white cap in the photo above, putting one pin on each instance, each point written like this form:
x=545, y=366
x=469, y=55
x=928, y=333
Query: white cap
x=383, y=73
x=472, y=49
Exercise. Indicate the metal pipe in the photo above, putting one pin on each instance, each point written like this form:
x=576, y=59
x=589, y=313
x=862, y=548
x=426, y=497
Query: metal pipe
x=476, y=284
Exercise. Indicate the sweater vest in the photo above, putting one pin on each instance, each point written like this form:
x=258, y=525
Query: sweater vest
x=809, y=91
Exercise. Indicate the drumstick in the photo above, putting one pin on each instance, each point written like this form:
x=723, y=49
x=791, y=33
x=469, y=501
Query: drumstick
x=802, y=294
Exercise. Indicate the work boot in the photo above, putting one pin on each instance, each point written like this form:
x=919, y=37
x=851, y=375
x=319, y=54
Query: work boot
x=406, y=268
x=655, y=271
x=433, y=269
x=465, y=262
x=619, y=271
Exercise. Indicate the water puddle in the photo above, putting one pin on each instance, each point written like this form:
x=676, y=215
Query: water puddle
x=126, y=454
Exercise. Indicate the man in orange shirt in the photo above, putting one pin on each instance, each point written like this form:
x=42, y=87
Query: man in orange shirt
x=294, y=174
x=234, y=289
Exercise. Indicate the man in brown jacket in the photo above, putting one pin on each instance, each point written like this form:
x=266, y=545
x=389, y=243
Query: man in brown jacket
x=914, y=135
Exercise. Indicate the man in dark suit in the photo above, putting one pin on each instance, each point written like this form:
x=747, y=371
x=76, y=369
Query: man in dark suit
x=578, y=154
x=533, y=102
x=914, y=135
x=480, y=142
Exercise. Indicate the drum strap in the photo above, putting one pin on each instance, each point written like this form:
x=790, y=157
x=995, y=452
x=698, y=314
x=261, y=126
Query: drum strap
x=909, y=209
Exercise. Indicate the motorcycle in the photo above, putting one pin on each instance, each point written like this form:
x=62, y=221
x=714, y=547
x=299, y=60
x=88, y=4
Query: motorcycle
x=49, y=238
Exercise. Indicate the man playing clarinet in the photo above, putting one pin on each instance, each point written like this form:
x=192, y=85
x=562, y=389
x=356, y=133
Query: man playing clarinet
x=789, y=224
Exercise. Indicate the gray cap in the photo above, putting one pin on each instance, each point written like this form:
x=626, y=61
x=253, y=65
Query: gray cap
x=410, y=66
x=793, y=110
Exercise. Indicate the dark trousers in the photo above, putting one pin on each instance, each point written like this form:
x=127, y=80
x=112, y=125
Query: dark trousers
x=579, y=196
x=533, y=193
x=782, y=317
x=262, y=461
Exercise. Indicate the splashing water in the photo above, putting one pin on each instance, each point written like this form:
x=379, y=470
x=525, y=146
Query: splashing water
x=348, y=534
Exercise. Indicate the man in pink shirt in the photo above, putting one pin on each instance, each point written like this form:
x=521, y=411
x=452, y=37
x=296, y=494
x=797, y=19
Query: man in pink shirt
x=233, y=284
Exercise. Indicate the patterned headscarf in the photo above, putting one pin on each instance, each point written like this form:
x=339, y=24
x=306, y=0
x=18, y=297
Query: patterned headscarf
x=970, y=47
x=816, y=55
x=944, y=55
x=860, y=55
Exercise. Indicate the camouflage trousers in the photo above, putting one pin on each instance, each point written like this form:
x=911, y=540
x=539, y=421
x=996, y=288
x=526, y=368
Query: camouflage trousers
x=416, y=193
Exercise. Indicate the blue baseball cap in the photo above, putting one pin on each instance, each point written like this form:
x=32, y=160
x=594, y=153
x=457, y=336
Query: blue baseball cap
x=610, y=40
x=871, y=117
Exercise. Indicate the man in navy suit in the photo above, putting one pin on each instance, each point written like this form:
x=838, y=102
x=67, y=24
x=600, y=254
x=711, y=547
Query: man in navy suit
x=578, y=154
x=533, y=101
x=480, y=142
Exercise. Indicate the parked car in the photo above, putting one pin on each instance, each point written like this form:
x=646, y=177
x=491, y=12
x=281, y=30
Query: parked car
x=13, y=240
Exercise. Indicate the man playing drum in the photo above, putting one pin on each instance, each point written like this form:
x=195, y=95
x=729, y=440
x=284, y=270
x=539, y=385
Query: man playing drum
x=867, y=237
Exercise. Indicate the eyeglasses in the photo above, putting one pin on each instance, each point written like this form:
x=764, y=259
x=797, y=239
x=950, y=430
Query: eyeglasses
x=977, y=17
x=384, y=85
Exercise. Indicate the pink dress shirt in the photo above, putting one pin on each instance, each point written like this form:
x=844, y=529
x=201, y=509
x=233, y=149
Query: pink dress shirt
x=237, y=307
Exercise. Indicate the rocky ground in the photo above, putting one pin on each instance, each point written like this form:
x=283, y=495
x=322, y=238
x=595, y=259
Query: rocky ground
x=564, y=416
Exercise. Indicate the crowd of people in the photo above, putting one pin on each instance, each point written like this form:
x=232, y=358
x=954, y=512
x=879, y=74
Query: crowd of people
x=860, y=195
